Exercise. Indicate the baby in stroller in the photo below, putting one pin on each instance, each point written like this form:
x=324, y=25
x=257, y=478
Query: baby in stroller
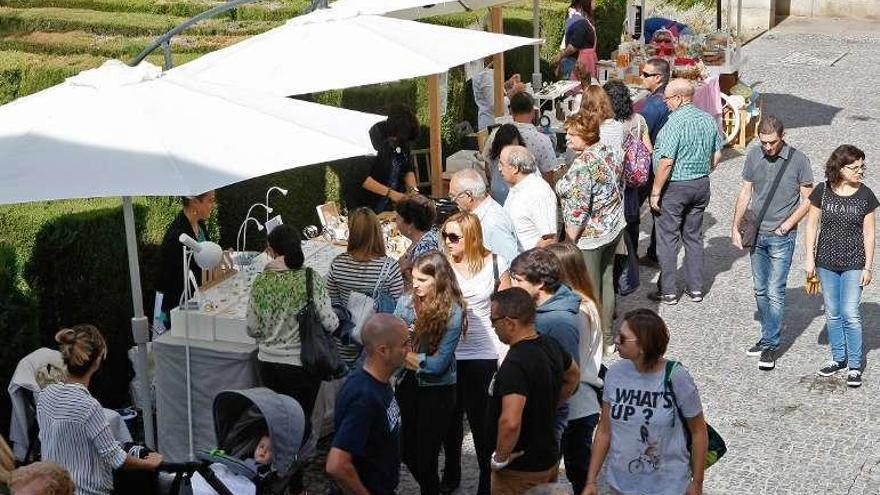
x=259, y=435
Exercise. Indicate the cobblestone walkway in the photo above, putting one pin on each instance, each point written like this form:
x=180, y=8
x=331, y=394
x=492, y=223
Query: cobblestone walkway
x=788, y=431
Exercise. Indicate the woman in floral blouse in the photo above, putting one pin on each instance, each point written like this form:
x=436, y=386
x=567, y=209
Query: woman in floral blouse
x=591, y=193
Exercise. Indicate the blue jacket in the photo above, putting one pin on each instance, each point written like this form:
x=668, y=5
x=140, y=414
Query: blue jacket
x=438, y=368
x=558, y=318
x=655, y=112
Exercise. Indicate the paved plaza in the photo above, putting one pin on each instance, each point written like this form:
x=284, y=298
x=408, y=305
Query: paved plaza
x=788, y=431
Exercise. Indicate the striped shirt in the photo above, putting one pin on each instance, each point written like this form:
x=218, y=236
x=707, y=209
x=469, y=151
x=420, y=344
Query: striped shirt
x=75, y=434
x=348, y=274
x=690, y=138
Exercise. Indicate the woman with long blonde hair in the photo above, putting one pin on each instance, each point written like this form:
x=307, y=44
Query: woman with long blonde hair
x=479, y=273
x=434, y=311
x=584, y=407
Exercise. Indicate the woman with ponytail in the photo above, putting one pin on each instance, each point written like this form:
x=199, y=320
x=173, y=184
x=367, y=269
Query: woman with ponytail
x=74, y=432
x=277, y=295
x=434, y=312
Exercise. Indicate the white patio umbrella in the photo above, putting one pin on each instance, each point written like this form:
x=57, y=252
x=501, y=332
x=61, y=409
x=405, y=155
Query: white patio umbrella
x=339, y=48
x=125, y=131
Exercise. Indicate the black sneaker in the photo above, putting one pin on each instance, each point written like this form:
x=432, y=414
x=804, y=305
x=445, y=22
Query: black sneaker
x=854, y=378
x=830, y=368
x=767, y=360
x=755, y=350
x=694, y=295
x=669, y=299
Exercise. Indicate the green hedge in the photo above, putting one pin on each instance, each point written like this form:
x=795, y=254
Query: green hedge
x=18, y=329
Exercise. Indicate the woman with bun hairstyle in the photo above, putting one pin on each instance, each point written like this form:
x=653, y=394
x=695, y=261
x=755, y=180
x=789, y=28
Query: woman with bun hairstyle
x=74, y=432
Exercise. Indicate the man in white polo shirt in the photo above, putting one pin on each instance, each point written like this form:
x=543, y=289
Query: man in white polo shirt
x=531, y=202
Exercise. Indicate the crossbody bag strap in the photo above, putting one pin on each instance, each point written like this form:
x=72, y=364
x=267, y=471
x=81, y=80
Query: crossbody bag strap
x=667, y=384
x=381, y=278
x=766, y=206
x=495, y=271
x=819, y=222
x=308, y=286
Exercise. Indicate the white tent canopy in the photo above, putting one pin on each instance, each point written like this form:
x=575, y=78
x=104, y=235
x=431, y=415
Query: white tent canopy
x=336, y=49
x=122, y=131
x=415, y=9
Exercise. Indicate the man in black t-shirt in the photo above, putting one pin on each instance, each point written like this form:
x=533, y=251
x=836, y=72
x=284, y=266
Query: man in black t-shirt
x=365, y=457
x=536, y=376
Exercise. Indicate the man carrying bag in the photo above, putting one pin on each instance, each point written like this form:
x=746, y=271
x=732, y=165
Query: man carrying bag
x=777, y=181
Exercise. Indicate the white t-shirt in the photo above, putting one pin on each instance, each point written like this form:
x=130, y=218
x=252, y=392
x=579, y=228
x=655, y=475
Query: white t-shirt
x=481, y=342
x=531, y=205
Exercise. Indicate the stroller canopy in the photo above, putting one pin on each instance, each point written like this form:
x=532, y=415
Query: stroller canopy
x=240, y=415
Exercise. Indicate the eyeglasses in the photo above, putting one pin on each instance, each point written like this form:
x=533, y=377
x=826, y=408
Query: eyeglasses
x=667, y=98
x=618, y=340
x=451, y=237
x=854, y=167
x=494, y=319
x=454, y=196
x=648, y=74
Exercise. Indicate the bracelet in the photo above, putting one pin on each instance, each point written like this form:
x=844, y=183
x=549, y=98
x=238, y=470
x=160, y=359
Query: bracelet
x=496, y=465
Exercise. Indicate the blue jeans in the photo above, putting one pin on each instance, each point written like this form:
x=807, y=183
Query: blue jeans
x=843, y=316
x=771, y=261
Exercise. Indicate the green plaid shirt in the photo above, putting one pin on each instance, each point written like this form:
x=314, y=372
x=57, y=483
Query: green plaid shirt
x=690, y=138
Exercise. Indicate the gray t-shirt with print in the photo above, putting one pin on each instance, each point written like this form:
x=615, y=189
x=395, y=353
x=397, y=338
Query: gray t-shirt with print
x=761, y=172
x=648, y=452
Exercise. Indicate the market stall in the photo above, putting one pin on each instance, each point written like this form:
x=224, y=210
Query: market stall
x=223, y=356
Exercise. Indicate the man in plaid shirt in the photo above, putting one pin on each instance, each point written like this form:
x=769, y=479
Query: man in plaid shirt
x=687, y=150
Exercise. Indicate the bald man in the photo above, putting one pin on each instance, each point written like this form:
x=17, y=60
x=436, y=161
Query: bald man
x=365, y=457
x=531, y=202
x=687, y=150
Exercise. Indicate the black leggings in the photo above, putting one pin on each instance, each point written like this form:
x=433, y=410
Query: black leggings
x=577, y=443
x=472, y=392
x=425, y=413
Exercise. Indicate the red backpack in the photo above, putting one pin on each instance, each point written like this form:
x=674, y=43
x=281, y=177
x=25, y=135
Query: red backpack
x=637, y=159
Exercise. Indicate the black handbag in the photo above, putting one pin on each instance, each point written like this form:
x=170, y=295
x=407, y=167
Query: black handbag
x=750, y=224
x=320, y=358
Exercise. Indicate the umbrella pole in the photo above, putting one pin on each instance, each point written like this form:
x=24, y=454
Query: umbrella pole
x=496, y=25
x=140, y=329
x=536, y=54
x=718, y=15
x=435, y=138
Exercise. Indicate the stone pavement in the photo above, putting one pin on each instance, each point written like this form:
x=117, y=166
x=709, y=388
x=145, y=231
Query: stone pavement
x=788, y=431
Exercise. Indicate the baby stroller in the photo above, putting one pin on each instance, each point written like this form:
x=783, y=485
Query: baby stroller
x=241, y=417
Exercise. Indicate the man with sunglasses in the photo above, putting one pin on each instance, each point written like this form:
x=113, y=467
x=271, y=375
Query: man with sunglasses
x=468, y=189
x=655, y=76
x=777, y=233
x=535, y=377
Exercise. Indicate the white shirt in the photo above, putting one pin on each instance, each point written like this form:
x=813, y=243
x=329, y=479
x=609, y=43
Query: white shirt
x=481, y=342
x=611, y=134
x=484, y=96
x=540, y=145
x=531, y=205
x=499, y=236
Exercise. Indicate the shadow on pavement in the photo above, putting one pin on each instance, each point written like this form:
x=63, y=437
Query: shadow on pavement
x=870, y=338
x=799, y=112
x=800, y=311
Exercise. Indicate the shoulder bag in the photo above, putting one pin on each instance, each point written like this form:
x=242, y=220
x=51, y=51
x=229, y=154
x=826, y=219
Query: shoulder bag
x=812, y=285
x=750, y=224
x=716, y=448
x=362, y=307
x=319, y=355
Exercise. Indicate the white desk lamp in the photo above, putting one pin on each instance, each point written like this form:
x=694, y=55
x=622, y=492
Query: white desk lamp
x=273, y=188
x=207, y=255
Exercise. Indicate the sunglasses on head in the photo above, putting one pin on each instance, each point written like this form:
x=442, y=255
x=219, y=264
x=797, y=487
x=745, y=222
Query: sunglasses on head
x=453, y=238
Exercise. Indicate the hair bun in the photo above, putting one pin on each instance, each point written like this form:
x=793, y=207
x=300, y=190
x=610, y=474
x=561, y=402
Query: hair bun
x=65, y=336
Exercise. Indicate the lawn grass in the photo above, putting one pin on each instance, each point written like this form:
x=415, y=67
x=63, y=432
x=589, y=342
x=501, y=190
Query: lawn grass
x=53, y=19
x=260, y=11
x=110, y=46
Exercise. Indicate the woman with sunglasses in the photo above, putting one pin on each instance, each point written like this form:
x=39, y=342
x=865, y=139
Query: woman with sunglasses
x=583, y=412
x=434, y=311
x=479, y=274
x=843, y=256
x=641, y=438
